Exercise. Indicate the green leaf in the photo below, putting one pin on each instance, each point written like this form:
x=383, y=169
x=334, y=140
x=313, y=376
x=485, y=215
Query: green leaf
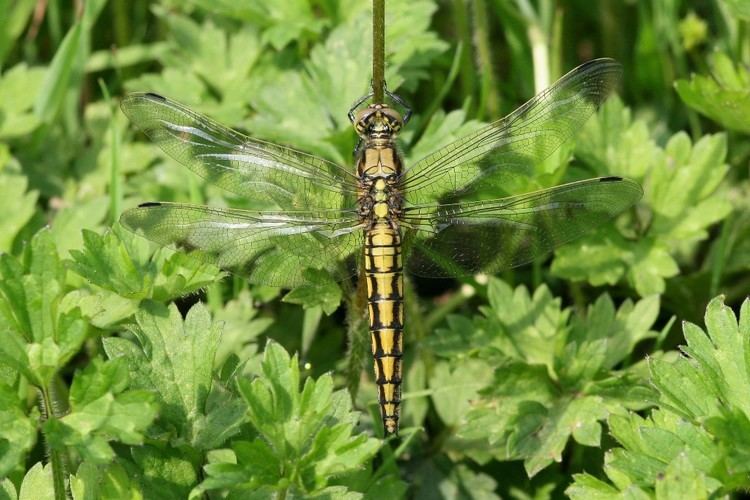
x=175, y=359
x=104, y=482
x=7, y=490
x=69, y=223
x=612, y=143
x=320, y=291
x=740, y=8
x=12, y=24
x=458, y=481
x=17, y=430
x=454, y=389
x=17, y=204
x=166, y=473
x=696, y=445
x=18, y=87
x=718, y=373
x=724, y=96
x=122, y=263
x=242, y=328
x=101, y=410
x=305, y=436
x=39, y=337
x=59, y=75
x=554, y=380
x=37, y=484
x=587, y=487
x=680, y=481
x=682, y=189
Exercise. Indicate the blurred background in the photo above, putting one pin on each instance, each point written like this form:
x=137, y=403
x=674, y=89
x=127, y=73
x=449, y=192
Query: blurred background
x=289, y=71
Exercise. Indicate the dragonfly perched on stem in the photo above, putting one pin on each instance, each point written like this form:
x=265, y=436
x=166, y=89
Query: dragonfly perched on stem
x=382, y=217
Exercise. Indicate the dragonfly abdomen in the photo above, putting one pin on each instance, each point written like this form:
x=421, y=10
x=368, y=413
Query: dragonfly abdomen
x=385, y=300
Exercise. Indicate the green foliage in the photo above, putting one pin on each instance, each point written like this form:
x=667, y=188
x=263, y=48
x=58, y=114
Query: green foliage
x=683, y=196
x=123, y=264
x=553, y=376
x=699, y=433
x=101, y=410
x=724, y=96
x=41, y=333
x=305, y=437
x=175, y=361
x=557, y=378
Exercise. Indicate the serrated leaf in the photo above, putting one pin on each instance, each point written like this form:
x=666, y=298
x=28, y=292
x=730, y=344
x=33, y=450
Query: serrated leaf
x=723, y=96
x=555, y=381
x=681, y=481
x=454, y=388
x=166, y=472
x=7, y=490
x=110, y=482
x=37, y=484
x=17, y=430
x=175, y=359
x=319, y=291
x=39, y=337
x=18, y=206
x=719, y=373
x=101, y=410
x=124, y=264
x=696, y=444
x=306, y=436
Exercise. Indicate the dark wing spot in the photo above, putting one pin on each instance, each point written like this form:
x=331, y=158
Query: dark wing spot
x=612, y=178
x=156, y=97
x=150, y=204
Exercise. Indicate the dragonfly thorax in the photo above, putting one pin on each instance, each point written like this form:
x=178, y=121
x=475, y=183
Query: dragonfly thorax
x=378, y=122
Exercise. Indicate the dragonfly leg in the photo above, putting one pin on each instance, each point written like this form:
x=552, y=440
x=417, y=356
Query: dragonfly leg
x=356, y=105
x=397, y=99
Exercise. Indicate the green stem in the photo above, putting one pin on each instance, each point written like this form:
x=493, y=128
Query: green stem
x=489, y=99
x=467, y=73
x=56, y=458
x=447, y=307
x=378, y=50
x=115, y=182
x=358, y=342
x=538, y=43
x=719, y=257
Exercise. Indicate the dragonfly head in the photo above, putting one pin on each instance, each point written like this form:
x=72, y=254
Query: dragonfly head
x=378, y=121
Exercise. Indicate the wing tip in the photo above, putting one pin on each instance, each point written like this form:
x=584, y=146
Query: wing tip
x=154, y=96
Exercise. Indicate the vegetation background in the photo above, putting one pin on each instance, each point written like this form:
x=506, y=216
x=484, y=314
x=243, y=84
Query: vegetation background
x=128, y=371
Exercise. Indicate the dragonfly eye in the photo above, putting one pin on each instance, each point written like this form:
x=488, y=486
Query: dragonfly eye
x=377, y=120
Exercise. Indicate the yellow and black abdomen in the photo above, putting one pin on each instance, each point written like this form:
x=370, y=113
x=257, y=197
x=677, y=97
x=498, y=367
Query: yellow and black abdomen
x=385, y=299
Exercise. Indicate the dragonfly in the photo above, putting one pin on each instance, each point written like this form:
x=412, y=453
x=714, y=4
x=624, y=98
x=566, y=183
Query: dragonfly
x=381, y=219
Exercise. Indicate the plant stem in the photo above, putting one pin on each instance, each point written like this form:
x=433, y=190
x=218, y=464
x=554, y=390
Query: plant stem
x=56, y=459
x=489, y=100
x=378, y=50
x=357, y=341
x=538, y=43
x=454, y=302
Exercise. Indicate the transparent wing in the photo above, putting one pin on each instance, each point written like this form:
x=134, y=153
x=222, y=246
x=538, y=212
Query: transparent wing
x=255, y=169
x=490, y=236
x=270, y=248
x=513, y=144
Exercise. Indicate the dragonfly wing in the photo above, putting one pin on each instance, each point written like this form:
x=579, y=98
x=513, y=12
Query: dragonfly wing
x=271, y=248
x=490, y=236
x=255, y=169
x=515, y=143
